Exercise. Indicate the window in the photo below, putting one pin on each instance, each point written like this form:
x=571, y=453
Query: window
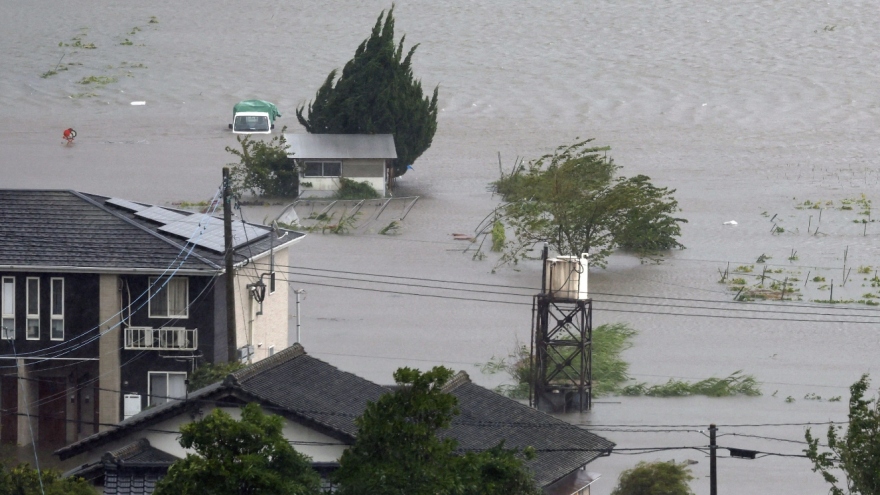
x=323, y=169
x=33, y=308
x=169, y=298
x=165, y=386
x=57, y=309
x=7, y=308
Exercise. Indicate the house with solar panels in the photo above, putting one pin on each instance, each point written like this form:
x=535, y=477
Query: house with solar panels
x=324, y=159
x=108, y=305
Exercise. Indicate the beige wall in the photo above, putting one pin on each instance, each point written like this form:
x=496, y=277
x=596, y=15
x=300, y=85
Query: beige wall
x=110, y=306
x=270, y=328
x=371, y=171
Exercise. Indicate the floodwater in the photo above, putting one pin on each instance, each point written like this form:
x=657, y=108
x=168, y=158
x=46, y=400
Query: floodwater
x=748, y=109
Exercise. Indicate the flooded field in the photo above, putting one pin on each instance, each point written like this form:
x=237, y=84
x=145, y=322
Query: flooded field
x=755, y=112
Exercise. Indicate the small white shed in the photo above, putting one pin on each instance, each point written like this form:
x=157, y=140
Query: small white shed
x=325, y=158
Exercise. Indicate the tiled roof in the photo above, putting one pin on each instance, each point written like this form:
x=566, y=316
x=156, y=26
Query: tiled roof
x=135, y=482
x=69, y=230
x=310, y=388
x=297, y=385
x=487, y=418
x=139, y=453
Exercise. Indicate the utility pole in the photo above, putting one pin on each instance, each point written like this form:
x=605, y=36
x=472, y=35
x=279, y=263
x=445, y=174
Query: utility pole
x=713, y=473
x=231, y=341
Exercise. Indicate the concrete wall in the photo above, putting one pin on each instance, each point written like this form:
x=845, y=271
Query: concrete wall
x=269, y=329
x=358, y=170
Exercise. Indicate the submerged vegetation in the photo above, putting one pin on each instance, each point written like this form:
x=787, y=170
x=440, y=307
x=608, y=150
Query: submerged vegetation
x=349, y=189
x=611, y=372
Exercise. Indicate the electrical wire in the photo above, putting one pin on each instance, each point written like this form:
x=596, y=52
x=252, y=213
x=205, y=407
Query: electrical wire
x=533, y=290
x=628, y=311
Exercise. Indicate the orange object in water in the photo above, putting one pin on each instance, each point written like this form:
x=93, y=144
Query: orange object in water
x=69, y=134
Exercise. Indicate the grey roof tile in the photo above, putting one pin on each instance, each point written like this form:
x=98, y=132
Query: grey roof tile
x=296, y=384
x=57, y=228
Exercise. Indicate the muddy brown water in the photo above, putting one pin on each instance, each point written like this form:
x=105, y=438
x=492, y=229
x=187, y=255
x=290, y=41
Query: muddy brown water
x=747, y=109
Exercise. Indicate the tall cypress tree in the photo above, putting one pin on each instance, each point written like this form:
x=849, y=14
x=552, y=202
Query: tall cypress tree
x=377, y=94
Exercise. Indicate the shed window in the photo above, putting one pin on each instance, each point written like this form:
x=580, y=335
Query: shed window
x=322, y=169
x=169, y=298
x=8, y=308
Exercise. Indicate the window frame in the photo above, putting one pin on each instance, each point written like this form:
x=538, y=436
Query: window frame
x=166, y=398
x=153, y=283
x=27, y=308
x=52, y=316
x=323, y=165
x=4, y=316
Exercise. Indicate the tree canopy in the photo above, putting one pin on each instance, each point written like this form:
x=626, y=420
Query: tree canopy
x=398, y=450
x=25, y=480
x=376, y=94
x=854, y=452
x=574, y=200
x=232, y=457
x=264, y=167
x=655, y=478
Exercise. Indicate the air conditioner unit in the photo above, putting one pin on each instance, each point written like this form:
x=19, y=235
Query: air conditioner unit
x=245, y=352
x=566, y=277
x=131, y=405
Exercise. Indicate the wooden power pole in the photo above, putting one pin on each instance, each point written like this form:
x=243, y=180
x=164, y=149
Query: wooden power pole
x=231, y=341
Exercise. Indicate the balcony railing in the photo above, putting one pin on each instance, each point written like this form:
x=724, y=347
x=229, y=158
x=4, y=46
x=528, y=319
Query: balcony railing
x=162, y=339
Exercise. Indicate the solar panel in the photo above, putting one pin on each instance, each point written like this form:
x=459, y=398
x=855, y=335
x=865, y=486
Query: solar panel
x=125, y=204
x=210, y=234
x=159, y=214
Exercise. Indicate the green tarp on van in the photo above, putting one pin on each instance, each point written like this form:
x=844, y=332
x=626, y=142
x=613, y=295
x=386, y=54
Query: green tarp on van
x=257, y=106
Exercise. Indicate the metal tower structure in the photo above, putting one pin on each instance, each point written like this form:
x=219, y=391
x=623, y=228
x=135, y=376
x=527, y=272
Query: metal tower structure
x=562, y=344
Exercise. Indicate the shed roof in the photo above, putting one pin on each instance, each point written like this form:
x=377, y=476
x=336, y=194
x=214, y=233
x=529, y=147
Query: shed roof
x=341, y=146
x=64, y=230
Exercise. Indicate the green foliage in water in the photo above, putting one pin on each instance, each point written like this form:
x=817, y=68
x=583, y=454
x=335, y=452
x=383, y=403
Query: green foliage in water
x=611, y=372
x=349, y=189
x=609, y=369
x=853, y=451
x=98, y=80
x=499, y=237
x=575, y=201
x=735, y=384
x=264, y=168
x=376, y=94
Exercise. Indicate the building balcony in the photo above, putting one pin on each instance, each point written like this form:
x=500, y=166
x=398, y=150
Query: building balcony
x=161, y=339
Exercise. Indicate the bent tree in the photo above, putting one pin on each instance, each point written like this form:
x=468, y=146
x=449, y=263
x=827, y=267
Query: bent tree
x=854, y=452
x=575, y=201
x=376, y=94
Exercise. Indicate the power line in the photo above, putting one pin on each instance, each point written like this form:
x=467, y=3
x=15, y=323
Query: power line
x=660, y=313
x=738, y=303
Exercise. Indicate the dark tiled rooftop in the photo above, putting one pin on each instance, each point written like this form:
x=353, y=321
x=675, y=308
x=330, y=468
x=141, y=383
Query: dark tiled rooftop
x=298, y=385
x=56, y=228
